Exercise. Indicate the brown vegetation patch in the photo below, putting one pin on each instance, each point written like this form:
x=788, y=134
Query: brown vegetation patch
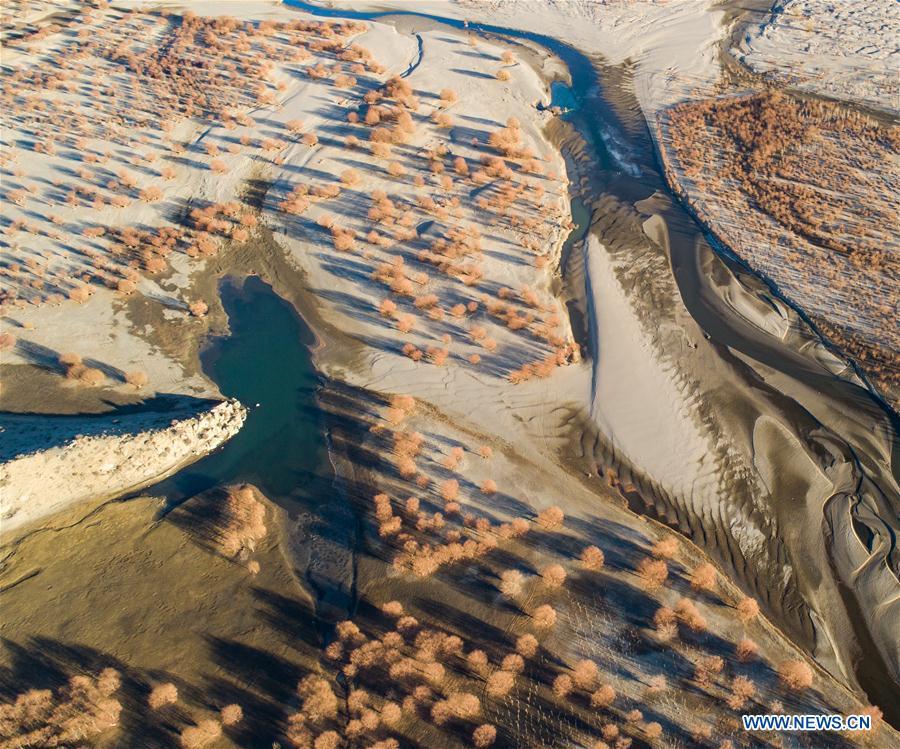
x=805, y=191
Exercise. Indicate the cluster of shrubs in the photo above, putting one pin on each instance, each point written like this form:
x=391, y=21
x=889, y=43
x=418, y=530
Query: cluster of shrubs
x=802, y=189
x=196, y=68
x=78, y=712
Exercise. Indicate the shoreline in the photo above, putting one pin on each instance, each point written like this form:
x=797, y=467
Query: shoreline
x=77, y=470
x=679, y=520
x=850, y=371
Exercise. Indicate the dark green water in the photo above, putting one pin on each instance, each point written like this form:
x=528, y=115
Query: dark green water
x=264, y=360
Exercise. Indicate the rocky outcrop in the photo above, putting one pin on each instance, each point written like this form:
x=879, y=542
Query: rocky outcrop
x=50, y=463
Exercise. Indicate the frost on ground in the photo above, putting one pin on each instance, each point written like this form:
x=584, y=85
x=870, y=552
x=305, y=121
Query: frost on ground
x=673, y=46
x=837, y=49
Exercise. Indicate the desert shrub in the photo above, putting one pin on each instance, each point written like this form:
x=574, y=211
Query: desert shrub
x=796, y=675
x=544, y=616
x=511, y=582
x=514, y=663
x=554, y=575
x=198, y=308
x=161, y=695
x=666, y=632
x=747, y=609
x=328, y=740
x=203, y=734
x=464, y=705
x=136, y=379
x=653, y=730
x=452, y=461
x=298, y=734
x=585, y=674
x=450, y=490
x=689, y=614
x=391, y=714
x=562, y=686
x=231, y=715
x=81, y=710
x=80, y=294
x=665, y=548
x=92, y=376
x=875, y=714
x=477, y=660
x=592, y=558
x=700, y=732
x=527, y=645
x=358, y=700
x=609, y=731
x=656, y=684
x=350, y=177
x=706, y=667
x=500, y=683
x=551, y=518
x=319, y=701
x=484, y=735
x=746, y=650
x=703, y=577
x=603, y=697
x=742, y=689
x=653, y=573
x=634, y=716
x=664, y=615
x=242, y=521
